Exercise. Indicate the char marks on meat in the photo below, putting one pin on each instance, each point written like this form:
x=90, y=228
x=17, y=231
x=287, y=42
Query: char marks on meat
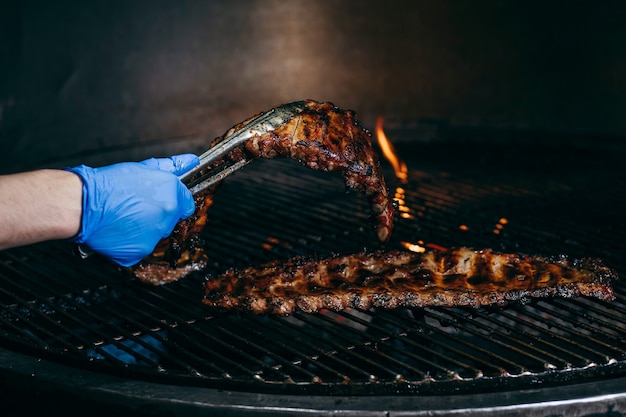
x=321, y=137
x=395, y=278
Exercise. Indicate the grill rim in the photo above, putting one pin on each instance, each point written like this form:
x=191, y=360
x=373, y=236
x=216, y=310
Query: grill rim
x=33, y=374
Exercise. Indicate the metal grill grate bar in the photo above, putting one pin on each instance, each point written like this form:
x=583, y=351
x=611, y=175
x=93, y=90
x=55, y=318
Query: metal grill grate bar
x=444, y=345
x=360, y=350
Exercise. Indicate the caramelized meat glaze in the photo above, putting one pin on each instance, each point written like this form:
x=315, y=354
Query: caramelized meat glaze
x=322, y=137
x=392, y=279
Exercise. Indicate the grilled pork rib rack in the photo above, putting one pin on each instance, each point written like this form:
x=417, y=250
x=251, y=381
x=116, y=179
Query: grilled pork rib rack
x=318, y=135
x=392, y=279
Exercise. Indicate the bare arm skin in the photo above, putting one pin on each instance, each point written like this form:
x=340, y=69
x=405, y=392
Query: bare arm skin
x=39, y=205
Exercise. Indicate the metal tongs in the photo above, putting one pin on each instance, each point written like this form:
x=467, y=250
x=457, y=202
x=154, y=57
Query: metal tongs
x=264, y=123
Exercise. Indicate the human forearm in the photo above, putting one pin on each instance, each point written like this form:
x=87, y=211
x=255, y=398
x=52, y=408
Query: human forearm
x=39, y=205
x=120, y=211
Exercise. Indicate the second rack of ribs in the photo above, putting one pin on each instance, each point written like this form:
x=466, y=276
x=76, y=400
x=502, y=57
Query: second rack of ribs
x=395, y=278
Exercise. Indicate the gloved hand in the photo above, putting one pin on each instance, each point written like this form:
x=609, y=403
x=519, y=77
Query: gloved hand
x=128, y=207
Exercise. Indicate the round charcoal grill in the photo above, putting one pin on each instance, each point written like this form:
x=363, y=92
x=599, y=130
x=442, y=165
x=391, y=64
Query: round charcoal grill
x=83, y=330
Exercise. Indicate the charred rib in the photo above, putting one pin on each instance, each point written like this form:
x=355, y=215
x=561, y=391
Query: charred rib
x=392, y=279
x=320, y=136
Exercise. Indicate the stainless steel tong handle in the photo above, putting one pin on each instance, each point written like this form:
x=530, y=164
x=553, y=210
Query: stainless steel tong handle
x=264, y=123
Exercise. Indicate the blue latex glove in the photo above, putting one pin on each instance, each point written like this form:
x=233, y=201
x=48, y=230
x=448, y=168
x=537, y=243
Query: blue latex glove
x=130, y=206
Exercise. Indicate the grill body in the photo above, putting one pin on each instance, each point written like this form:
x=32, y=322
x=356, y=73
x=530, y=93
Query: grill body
x=113, y=340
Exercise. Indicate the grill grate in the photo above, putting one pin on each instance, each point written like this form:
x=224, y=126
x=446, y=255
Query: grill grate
x=89, y=314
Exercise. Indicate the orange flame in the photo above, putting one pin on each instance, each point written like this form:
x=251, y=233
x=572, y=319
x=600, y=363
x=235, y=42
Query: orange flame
x=399, y=166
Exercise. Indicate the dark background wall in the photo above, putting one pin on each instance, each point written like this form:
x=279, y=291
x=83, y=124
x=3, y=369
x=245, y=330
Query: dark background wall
x=98, y=81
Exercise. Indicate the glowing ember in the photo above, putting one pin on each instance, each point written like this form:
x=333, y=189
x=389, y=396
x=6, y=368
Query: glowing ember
x=399, y=197
x=413, y=247
x=500, y=225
